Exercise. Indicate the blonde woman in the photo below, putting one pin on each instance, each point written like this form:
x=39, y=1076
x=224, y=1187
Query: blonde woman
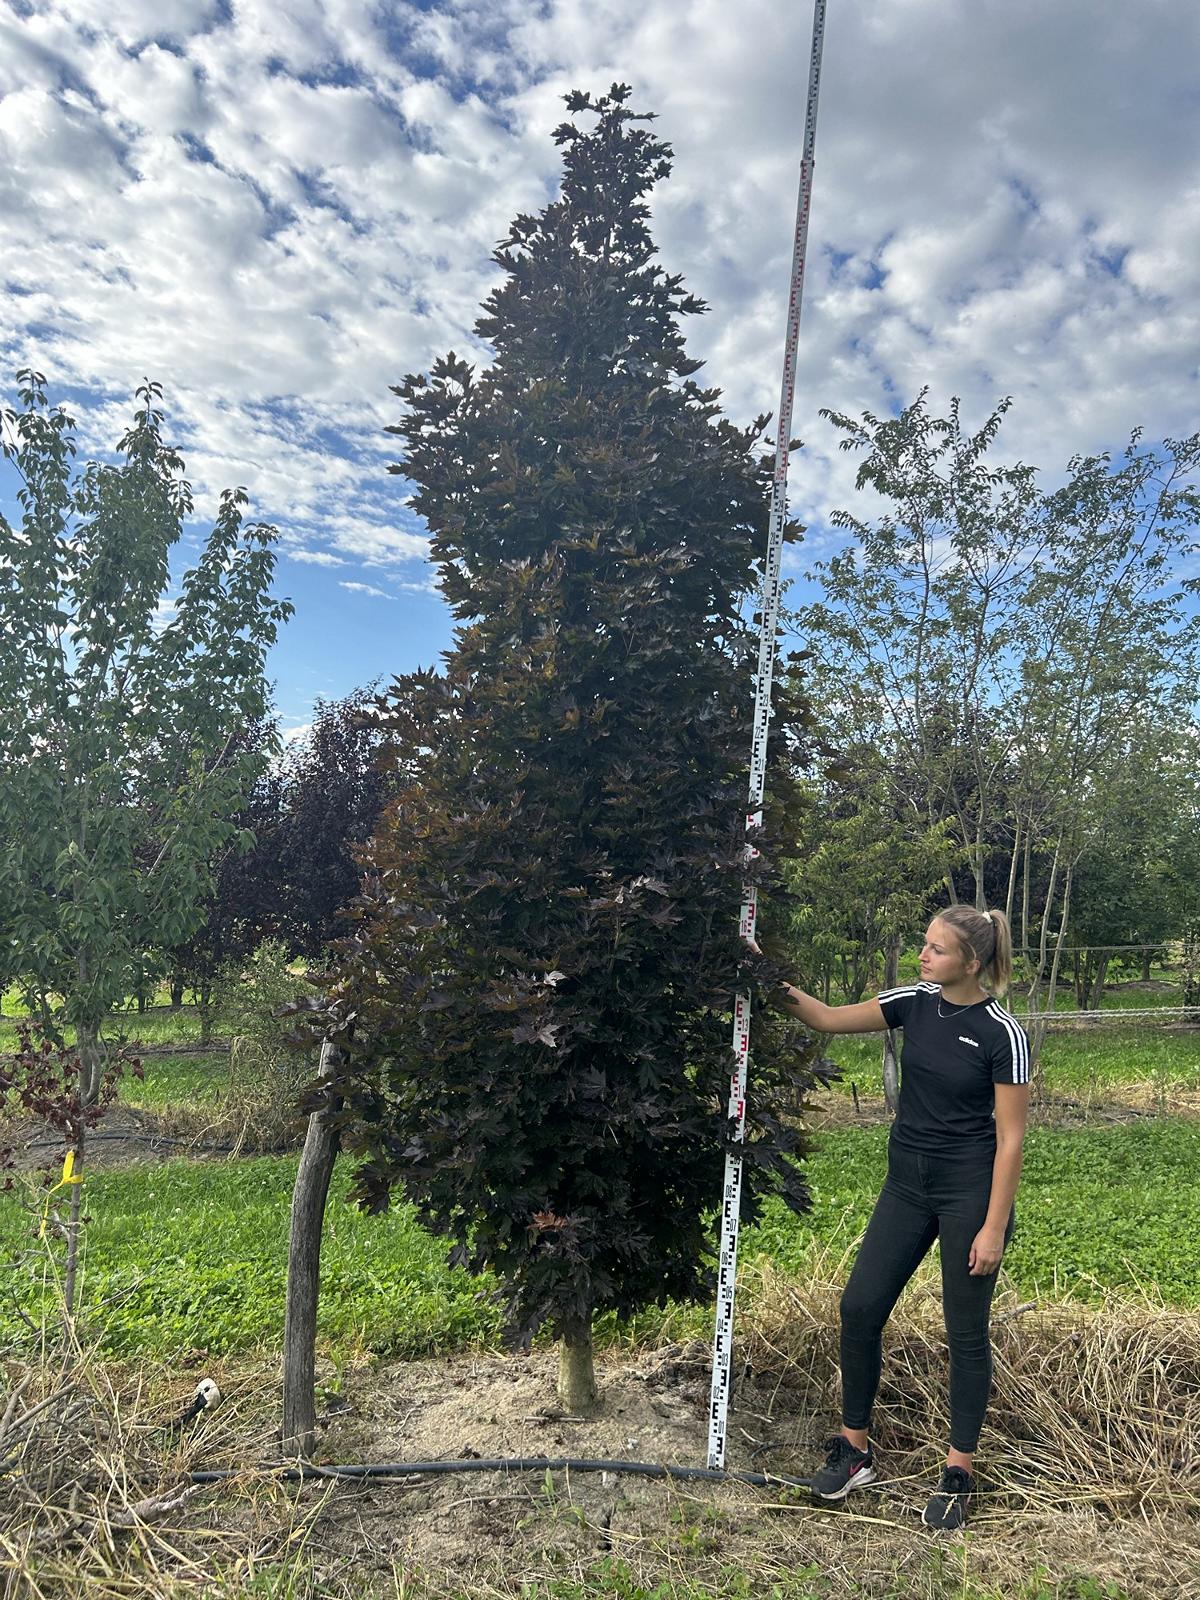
x=954, y=1162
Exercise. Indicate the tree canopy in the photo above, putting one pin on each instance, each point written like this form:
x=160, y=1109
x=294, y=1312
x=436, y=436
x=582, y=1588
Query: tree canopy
x=548, y=950
x=122, y=752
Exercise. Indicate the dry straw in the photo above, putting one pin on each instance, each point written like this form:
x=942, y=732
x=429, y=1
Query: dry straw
x=1094, y=1403
x=1089, y=1465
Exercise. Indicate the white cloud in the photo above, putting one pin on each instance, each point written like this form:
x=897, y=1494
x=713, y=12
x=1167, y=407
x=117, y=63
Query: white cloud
x=316, y=558
x=279, y=211
x=365, y=588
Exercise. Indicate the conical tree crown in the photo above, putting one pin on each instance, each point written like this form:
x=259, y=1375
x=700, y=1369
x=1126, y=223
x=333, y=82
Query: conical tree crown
x=547, y=958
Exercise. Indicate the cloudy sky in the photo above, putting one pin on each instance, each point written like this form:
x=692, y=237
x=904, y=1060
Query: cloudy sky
x=279, y=209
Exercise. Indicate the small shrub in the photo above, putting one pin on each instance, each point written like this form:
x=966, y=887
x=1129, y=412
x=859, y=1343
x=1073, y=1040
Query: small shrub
x=266, y=1072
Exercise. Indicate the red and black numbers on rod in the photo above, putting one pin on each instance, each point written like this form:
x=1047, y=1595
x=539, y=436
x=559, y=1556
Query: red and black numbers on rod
x=731, y=1197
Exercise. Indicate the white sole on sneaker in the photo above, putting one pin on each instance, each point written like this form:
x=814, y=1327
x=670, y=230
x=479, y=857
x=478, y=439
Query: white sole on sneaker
x=865, y=1474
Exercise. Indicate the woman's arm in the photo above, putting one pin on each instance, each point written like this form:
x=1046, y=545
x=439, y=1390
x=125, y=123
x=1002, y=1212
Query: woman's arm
x=864, y=1018
x=1012, y=1104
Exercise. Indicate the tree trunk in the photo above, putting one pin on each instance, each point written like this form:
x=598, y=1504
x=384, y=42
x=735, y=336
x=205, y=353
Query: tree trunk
x=176, y=992
x=204, y=999
x=1025, y=893
x=304, y=1269
x=1012, y=873
x=1052, y=997
x=90, y=1048
x=576, y=1373
x=1036, y=1026
x=1037, y=1031
x=74, y=1224
x=891, y=1075
x=1191, y=964
x=1095, y=991
x=1147, y=958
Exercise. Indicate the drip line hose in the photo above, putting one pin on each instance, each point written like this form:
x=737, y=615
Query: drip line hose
x=308, y=1472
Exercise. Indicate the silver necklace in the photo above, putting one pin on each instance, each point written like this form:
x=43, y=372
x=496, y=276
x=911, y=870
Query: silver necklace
x=945, y=1015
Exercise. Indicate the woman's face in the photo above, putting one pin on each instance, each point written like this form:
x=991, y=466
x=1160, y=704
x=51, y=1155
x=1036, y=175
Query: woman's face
x=942, y=959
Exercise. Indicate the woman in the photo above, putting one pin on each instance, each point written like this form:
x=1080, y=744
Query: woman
x=954, y=1162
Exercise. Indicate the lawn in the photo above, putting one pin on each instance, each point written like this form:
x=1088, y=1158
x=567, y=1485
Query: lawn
x=193, y=1254
x=178, y=1080
x=1082, y=1063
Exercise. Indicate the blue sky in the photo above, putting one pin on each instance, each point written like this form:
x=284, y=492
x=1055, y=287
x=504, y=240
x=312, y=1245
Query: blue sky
x=279, y=209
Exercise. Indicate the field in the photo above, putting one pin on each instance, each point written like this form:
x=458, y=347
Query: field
x=184, y=1273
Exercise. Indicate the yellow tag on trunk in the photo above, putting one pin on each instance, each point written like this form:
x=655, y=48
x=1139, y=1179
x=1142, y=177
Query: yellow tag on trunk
x=68, y=1177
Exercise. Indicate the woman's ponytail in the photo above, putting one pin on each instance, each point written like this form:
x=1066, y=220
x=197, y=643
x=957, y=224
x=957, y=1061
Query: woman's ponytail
x=985, y=937
x=999, y=968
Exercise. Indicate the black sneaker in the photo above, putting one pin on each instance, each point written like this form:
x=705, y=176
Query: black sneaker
x=845, y=1468
x=948, y=1503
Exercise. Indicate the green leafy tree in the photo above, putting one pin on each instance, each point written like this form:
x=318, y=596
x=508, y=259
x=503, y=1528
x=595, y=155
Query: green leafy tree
x=1024, y=659
x=1139, y=881
x=1109, y=673
x=243, y=903
x=548, y=949
x=118, y=740
x=918, y=633
x=863, y=877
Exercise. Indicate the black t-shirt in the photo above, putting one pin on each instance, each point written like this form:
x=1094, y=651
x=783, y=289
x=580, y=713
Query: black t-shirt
x=948, y=1068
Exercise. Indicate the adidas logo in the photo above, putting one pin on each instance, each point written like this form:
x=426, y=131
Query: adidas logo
x=962, y=1039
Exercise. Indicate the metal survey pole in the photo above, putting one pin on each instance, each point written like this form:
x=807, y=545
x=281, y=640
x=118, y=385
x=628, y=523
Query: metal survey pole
x=731, y=1203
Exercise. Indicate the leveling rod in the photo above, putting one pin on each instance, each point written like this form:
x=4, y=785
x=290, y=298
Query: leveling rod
x=731, y=1203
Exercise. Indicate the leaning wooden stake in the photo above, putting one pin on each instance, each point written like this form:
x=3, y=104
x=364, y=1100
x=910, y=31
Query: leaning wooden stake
x=304, y=1268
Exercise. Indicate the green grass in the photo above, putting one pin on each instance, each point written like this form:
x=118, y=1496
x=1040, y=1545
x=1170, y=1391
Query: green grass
x=611, y=1579
x=938, y=1571
x=190, y=1254
x=158, y=1026
x=178, y=1081
x=194, y=1254
x=1074, y=1063
x=1099, y=1208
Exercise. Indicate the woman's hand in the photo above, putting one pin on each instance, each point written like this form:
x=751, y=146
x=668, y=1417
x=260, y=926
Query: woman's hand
x=987, y=1251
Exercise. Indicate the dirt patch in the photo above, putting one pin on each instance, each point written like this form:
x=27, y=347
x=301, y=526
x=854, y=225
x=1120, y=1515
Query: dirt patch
x=534, y=1534
x=127, y=1136
x=494, y=1532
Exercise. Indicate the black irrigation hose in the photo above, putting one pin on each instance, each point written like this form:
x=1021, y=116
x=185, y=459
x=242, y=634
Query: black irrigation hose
x=147, y=1138
x=308, y=1472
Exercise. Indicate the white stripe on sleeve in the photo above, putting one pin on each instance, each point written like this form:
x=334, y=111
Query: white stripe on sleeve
x=1018, y=1043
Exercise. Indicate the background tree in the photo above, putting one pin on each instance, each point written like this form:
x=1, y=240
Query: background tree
x=333, y=790
x=243, y=904
x=548, y=948
x=1109, y=674
x=118, y=743
x=1024, y=660
x=289, y=870
x=1139, y=880
x=863, y=877
x=917, y=634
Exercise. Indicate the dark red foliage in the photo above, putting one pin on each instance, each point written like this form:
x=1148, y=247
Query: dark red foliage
x=541, y=982
x=41, y=1079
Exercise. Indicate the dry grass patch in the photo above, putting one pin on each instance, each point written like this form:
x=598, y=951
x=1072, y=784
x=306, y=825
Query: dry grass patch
x=1089, y=1470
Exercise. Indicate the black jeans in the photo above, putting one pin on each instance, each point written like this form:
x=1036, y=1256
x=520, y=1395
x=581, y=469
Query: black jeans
x=925, y=1197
